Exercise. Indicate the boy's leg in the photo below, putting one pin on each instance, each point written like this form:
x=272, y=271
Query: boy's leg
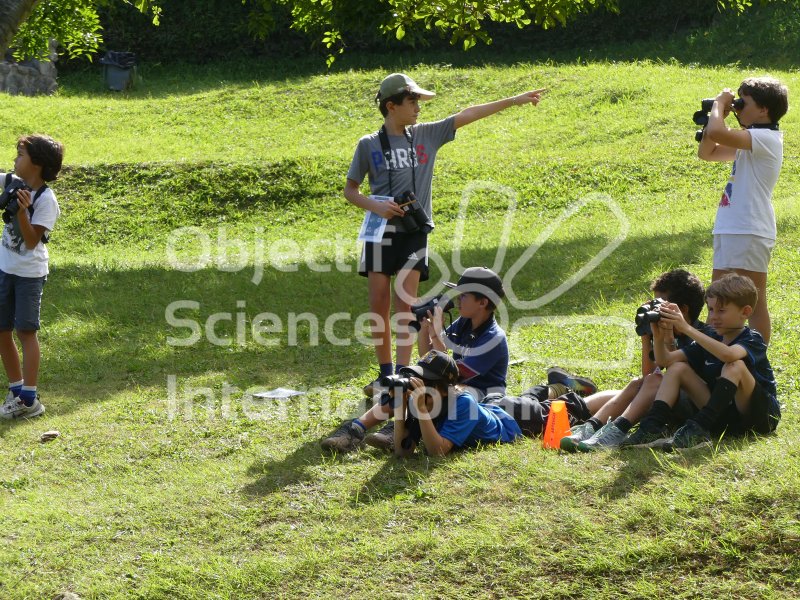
x=27, y=404
x=8, y=349
x=614, y=406
x=737, y=388
x=31, y=356
x=644, y=398
x=379, y=285
x=405, y=292
x=10, y=355
x=626, y=409
x=680, y=376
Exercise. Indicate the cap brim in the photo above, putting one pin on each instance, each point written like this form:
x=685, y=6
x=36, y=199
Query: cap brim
x=423, y=94
x=421, y=372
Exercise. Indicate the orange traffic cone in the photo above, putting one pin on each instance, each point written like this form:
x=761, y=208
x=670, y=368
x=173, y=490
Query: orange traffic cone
x=557, y=425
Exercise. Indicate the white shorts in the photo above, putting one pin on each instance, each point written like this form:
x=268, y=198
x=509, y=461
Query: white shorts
x=742, y=251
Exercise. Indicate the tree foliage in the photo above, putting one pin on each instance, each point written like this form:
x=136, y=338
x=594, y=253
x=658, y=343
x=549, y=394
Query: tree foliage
x=463, y=21
x=74, y=24
x=331, y=24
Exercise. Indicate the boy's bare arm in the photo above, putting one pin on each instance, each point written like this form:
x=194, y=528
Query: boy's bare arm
x=387, y=210
x=479, y=111
x=722, y=351
x=721, y=140
x=400, y=429
x=431, y=333
x=32, y=234
x=663, y=335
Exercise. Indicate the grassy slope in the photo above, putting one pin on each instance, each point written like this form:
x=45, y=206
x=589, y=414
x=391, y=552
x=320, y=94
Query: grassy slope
x=239, y=502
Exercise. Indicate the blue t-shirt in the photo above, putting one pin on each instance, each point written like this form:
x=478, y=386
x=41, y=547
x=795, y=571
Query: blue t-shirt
x=709, y=367
x=470, y=422
x=481, y=355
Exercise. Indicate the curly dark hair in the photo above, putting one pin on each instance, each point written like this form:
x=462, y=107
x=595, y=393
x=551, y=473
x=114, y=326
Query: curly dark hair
x=44, y=152
x=768, y=93
x=682, y=288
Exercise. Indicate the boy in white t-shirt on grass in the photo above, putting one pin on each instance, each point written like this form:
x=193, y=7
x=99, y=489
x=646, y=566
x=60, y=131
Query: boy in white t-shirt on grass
x=30, y=212
x=745, y=230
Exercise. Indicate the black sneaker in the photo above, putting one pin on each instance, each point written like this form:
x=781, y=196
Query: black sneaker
x=347, y=437
x=644, y=436
x=691, y=435
x=583, y=386
x=383, y=439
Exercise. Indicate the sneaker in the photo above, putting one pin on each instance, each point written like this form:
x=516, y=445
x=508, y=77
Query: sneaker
x=579, y=433
x=347, y=437
x=18, y=410
x=691, y=435
x=644, y=436
x=583, y=386
x=10, y=398
x=609, y=436
x=383, y=439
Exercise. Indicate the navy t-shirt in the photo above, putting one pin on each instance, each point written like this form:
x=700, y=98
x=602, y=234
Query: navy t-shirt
x=470, y=423
x=709, y=367
x=481, y=355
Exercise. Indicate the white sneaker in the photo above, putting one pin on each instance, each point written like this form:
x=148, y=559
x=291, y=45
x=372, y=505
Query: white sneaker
x=10, y=398
x=18, y=410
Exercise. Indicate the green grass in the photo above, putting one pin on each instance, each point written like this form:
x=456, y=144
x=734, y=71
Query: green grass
x=232, y=498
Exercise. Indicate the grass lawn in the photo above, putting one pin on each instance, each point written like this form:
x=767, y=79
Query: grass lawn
x=221, y=191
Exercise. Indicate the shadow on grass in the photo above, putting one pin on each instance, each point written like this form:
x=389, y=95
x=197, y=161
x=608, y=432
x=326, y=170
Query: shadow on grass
x=640, y=465
x=293, y=469
x=398, y=479
x=119, y=328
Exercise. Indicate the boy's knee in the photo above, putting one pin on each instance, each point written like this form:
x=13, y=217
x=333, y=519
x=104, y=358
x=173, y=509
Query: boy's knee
x=677, y=369
x=653, y=380
x=733, y=369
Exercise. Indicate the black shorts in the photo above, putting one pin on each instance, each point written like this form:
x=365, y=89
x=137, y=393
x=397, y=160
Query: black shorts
x=396, y=251
x=762, y=418
x=531, y=409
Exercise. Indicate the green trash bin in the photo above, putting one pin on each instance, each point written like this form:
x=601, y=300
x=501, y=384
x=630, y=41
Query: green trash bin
x=119, y=69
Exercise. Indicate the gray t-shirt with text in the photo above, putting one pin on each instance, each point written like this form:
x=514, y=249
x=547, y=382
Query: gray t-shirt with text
x=426, y=139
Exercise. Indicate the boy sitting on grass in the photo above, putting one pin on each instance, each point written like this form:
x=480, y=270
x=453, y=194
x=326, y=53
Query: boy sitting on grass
x=24, y=267
x=727, y=374
x=610, y=426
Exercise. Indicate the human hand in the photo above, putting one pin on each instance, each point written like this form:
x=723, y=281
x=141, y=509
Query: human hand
x=672, y=318
x=436, y=320
x=532, y=97
x=725, y=99
x=418, y=396
x=387, y=210
x=23, y=198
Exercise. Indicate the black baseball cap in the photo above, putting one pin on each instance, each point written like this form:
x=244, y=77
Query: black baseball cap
x=434, y=366
x=480, y=280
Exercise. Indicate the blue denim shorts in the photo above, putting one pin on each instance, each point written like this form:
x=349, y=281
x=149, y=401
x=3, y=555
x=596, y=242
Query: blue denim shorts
x=20, y=302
